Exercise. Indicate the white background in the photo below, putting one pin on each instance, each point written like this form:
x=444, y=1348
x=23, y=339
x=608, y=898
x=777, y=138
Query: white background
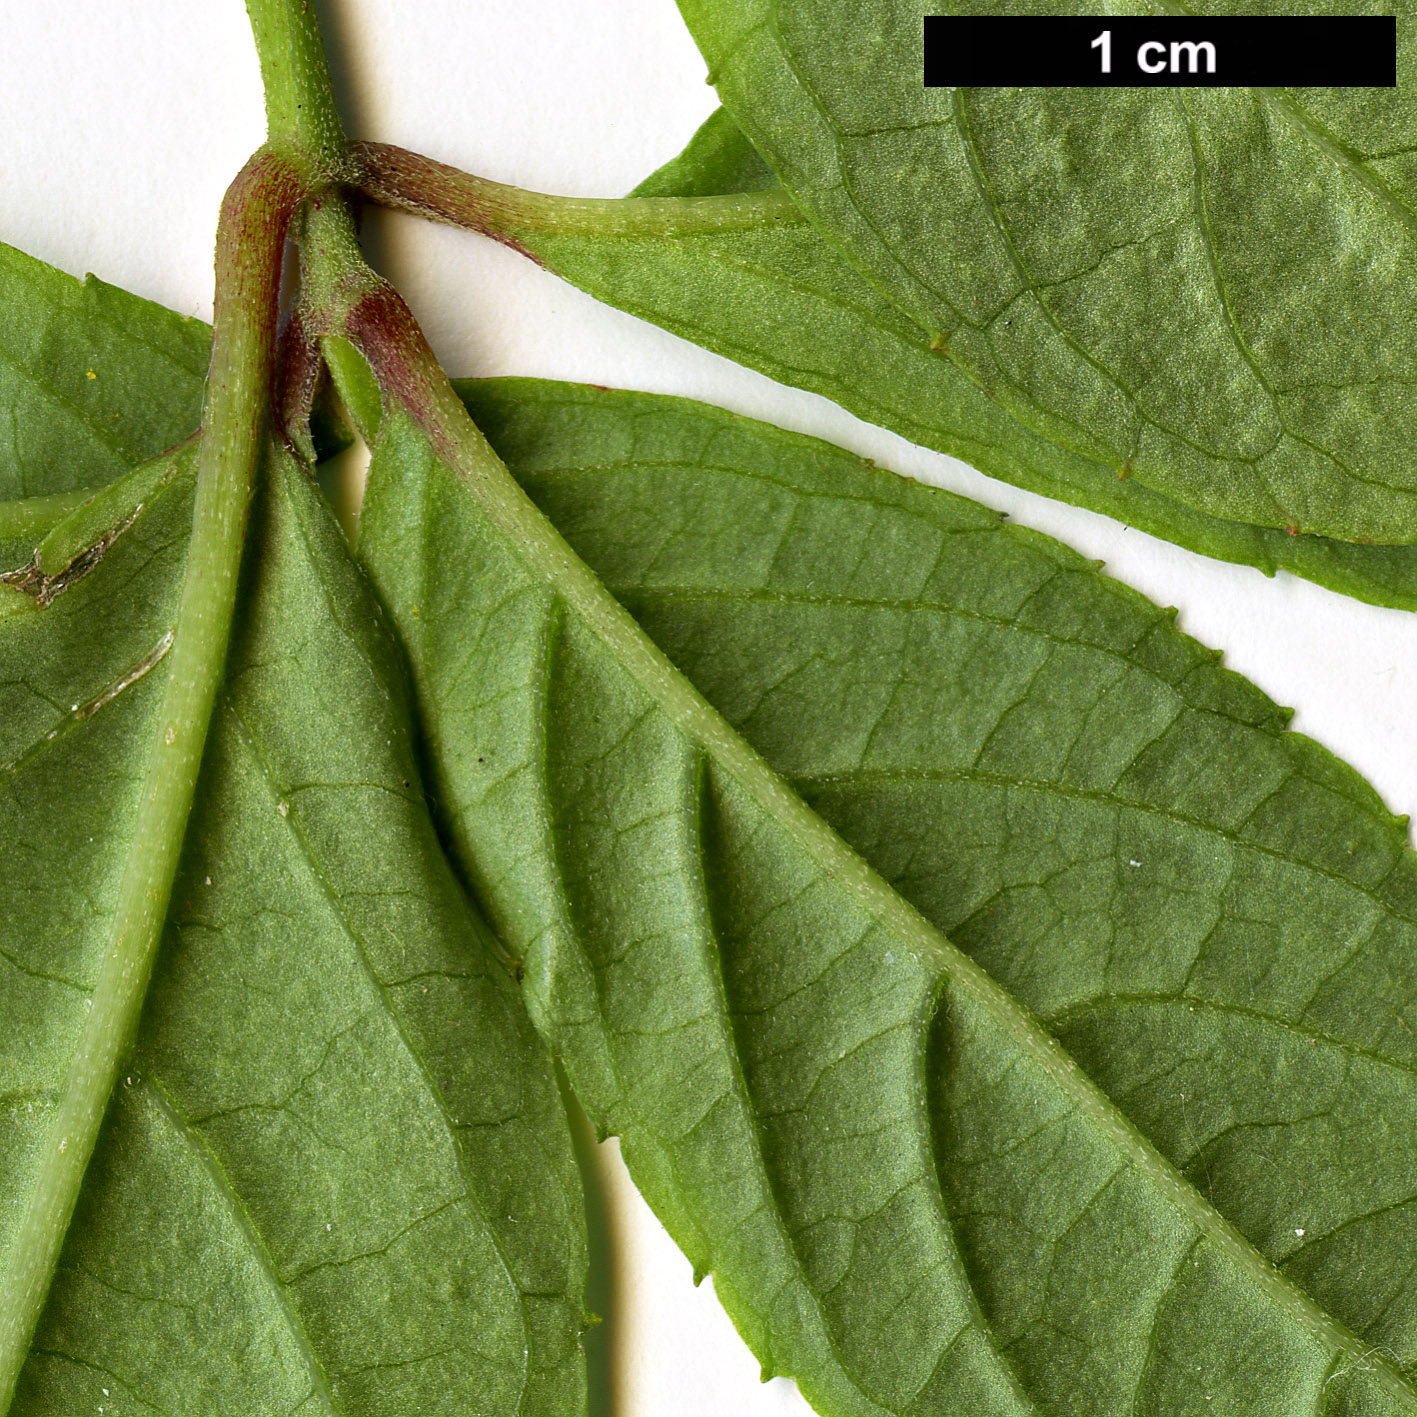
x=121, y=122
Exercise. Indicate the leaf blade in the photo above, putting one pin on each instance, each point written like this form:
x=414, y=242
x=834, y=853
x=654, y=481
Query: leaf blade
x=96, y=379
x=335, y=1092
x=763, y=1028
x=1156, y=315
x=783, y=301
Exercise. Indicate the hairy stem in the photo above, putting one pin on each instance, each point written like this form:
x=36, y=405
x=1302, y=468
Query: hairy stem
x=250, y=243
x=334, y=278
x=301, y=117
x=412, y=183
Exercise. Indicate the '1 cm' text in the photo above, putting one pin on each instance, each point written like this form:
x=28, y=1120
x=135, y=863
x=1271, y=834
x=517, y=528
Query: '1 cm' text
x=1154, y=57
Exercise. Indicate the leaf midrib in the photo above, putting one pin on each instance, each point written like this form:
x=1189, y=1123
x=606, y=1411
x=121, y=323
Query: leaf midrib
x=1338, y=152
x=469, y=1197
x=201, y=1152
x=693, y=784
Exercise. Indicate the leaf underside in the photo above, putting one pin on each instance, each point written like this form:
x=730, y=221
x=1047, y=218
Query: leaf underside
x=337, y=1175
x=784, y=301
x=1213, y=289
x=93, y=380
x=909, y=1202
x=911, y=1198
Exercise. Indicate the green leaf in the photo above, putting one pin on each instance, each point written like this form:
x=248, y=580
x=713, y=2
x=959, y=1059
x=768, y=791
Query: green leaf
x=337, y=1177
x=912, y=1198
x=717, y=160
x=93, y=380
x=782, y=300
x=1214, y=290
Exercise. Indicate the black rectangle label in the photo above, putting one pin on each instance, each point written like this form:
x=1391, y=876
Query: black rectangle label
x=1057, y=51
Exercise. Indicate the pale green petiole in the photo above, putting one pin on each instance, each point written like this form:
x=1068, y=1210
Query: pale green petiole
x=417, y=184
x=304, y=148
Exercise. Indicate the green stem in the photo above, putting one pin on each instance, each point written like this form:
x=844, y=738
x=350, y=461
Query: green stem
x=301, y=117
x=412, y=183
x=334, y=278
x=250, y=243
